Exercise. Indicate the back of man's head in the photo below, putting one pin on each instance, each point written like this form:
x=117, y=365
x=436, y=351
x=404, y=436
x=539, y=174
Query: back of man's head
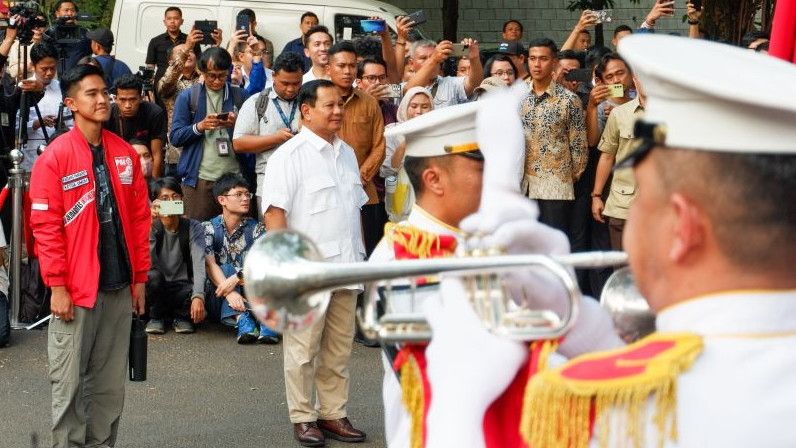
x=748, y=199
x=415, y=166
x=367, y=46
x=227, y=182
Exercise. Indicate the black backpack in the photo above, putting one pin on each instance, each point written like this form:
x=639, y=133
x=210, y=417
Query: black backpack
x=183, y=233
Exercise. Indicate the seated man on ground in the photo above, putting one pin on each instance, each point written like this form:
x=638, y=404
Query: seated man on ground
x=228, y=238
x=176, y=245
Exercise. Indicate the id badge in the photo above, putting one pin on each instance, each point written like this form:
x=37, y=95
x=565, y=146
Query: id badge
x=4, y=121
x=223, y=145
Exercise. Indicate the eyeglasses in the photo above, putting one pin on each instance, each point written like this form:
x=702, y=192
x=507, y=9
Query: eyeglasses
x=239, y=196
x=374, y=78
x=215, y=76
x=502, y=73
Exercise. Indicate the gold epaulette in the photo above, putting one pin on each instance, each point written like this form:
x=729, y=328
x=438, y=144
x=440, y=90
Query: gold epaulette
x=611, y=388
x=418, y=243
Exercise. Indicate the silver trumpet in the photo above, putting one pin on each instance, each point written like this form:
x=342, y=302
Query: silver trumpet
x=287, y=285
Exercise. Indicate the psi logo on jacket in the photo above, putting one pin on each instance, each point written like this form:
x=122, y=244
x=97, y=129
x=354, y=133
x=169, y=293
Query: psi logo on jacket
x=124, y=165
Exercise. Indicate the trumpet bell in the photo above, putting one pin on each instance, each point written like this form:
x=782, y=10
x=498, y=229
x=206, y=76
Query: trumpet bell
x=630, y=312
x=270, y=272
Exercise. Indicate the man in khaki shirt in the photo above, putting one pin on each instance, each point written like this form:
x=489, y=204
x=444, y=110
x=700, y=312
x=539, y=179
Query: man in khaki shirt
x=617, y=143
x=363, y=130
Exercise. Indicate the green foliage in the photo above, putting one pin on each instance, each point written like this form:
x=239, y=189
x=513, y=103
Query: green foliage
x=102, y=9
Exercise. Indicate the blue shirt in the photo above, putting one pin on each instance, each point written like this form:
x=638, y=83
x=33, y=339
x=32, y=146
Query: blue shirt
x=119, y=68
x=295, y=46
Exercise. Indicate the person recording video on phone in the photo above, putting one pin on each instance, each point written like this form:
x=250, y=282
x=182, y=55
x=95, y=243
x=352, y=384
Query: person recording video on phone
x=176, y=281
x=204, y=118
x=448, y=90
x=69, y=37
x=16, y=55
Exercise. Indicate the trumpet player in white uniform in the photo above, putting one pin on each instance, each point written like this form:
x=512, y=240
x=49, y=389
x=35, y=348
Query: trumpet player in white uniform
x=445, y=166
x=710, y=239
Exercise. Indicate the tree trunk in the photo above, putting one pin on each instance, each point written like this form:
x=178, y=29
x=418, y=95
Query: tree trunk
x=729, y=20
x=450, y=20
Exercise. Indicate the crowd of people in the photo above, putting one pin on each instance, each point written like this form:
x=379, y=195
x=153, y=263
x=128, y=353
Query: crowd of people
x=229, y=141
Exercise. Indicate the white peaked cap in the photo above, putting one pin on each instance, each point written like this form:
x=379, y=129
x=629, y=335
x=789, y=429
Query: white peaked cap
x=450, y=130
x=713, y=96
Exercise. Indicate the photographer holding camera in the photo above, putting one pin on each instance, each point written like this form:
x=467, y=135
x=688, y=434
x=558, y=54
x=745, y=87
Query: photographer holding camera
x=9, y=103
x=29, y=25
x=69, y=38
x=133, y=118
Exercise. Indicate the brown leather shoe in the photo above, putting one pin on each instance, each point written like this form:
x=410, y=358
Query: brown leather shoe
x=308, y=434
x=342, y=430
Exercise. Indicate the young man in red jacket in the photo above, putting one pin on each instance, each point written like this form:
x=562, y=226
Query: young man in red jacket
x=91, y=222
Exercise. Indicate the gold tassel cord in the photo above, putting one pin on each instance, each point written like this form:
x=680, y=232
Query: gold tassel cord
x=415, y=241
x=413, y=399
x=557, y=407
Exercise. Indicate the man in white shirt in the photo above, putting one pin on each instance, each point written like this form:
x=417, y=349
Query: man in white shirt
x=447, y=90
x=263, y=134
x=317, y=42
x=314, y=187
x=44, y=57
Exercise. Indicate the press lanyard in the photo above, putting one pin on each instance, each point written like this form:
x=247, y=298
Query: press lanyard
x=288, y=123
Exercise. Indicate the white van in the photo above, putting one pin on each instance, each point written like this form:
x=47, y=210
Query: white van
x=135, y=22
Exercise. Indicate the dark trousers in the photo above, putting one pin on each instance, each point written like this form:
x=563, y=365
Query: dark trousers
x=168, y=299
x=557, y=214
x=199, y=202
x=374, y=217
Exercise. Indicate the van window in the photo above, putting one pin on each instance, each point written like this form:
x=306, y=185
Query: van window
x=343, y=21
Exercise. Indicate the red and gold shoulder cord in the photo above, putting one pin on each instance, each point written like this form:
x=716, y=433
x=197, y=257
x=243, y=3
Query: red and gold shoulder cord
x=562, y=404
x=411, y=243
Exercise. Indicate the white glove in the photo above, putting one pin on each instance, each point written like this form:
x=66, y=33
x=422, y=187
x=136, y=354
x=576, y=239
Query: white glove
x=511, y=223
x=501, y=138
x=468, y=368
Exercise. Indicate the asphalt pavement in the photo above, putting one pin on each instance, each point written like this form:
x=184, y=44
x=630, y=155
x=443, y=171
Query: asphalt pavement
x=202, y=390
